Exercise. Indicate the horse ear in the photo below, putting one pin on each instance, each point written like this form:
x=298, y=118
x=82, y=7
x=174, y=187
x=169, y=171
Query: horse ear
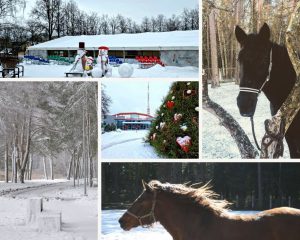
x=240, y=34
x=264, y=32
x=146, y=186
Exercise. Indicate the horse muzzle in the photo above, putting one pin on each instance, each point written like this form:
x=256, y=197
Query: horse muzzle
x=246, y=103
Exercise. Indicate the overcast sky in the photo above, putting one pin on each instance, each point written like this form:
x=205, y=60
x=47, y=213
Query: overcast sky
x=131, y=95
x=135, y=9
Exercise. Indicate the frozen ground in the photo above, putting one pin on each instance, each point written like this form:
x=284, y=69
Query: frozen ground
x=216, y=140
x=126, y=144
x=58, y=71
x=110, y=229
x=79, y=212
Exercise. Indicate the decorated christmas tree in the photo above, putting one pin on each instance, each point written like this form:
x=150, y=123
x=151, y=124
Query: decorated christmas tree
x=175, y=131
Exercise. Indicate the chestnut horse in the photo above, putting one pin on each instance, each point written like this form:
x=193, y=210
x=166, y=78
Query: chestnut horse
x=194, y=214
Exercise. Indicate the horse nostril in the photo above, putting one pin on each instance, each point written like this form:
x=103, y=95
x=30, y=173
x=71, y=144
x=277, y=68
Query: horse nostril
x=121, y=221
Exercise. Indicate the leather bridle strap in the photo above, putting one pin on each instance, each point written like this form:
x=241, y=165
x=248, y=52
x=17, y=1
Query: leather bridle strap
x=258, y=91
x=150, y=214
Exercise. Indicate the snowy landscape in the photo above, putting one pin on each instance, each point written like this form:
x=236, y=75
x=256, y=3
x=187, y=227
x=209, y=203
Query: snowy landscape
x=126, y=144
x=78, y=212
x=58, y=71
x=112, y=231
x=216, y=140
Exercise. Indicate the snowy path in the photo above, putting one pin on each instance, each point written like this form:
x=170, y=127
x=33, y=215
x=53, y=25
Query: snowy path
x=58, y=71
x=216, y=140
x=79, y=212
x=126, y=144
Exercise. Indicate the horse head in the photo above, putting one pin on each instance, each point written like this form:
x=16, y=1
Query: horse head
x=141, y=213
x=255, y=59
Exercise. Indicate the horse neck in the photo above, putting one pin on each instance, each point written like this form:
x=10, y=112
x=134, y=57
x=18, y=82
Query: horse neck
x=178, y=217
x=282, y=77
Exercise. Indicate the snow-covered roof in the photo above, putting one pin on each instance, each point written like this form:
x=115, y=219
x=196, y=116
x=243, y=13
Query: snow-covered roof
x=177, y=40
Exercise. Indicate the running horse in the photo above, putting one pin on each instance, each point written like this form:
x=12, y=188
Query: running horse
x=189, y=213
x=266, y=67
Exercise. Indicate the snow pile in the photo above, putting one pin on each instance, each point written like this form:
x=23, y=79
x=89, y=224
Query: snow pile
x=126, y=144
x=125, y=70
x=186, y=40
x=216, y=140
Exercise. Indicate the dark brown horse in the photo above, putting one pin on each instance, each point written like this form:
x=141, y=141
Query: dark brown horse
x=194, y=214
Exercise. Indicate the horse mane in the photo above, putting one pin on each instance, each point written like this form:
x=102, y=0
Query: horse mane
x=202, y=197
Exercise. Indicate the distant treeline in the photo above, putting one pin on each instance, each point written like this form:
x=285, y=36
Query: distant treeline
x=57, y=18
x=247, y=185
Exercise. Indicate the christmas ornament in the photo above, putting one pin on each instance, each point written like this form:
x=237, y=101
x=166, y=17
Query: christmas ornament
x=183, y=127
x=162, y=125
x=188, y=83
x=184, y=143
x=164, y=142
x=197, y=109
x=188, y=93
x=177, y=117
x=162, y=114
x=153, y=136
x=170, y=104
x=156, y=127
x=173, y=97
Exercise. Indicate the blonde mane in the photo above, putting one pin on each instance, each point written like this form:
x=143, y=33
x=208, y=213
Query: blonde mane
x=203, y=196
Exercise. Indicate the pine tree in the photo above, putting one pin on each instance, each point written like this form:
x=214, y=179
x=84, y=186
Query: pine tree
x=175, y=131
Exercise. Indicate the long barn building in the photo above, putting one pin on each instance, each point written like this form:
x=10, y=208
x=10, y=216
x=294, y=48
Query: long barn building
x=178, y=48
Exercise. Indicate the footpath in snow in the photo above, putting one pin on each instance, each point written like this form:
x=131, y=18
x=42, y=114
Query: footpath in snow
x=216, y=140
x=126, y=144
x=58, y=71
x=79, y=212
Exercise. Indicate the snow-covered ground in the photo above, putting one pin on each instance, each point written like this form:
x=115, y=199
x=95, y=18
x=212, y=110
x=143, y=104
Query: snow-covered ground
x=79, y=212
x=58, y=71
x=110, y=229
x=126, y=144
x=216, y=140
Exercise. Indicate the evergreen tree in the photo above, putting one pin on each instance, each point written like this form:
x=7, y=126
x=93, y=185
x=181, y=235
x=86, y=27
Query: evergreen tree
x=175, y=131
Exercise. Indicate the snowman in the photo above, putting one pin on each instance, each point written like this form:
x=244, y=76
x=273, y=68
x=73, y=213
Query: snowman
x=103, y=61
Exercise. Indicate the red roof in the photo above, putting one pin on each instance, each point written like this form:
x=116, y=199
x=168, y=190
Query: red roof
x=136, y=113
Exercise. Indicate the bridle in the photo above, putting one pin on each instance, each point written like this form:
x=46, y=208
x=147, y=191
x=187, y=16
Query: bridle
x=257, y=92
x=150, y=214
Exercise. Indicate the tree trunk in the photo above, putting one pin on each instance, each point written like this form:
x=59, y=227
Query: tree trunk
x=272, y=142
x=6, y=163
x=244, y=145
x=51, y=168
x=45, y=168
x=259, y=187
x=70, y=167
x=213, y=50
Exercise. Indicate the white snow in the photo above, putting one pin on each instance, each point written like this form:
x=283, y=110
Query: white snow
x=126, y=144
x=79, y=213
x=216, y=140
x=186, y=40
x=110, y=229
x=125, y=70
x=157, y=71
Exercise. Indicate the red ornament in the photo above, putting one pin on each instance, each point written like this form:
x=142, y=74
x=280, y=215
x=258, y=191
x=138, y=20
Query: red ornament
x=184, y=143
x=170, y=104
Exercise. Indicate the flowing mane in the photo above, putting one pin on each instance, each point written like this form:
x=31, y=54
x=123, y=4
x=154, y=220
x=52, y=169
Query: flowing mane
x=202, y=197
